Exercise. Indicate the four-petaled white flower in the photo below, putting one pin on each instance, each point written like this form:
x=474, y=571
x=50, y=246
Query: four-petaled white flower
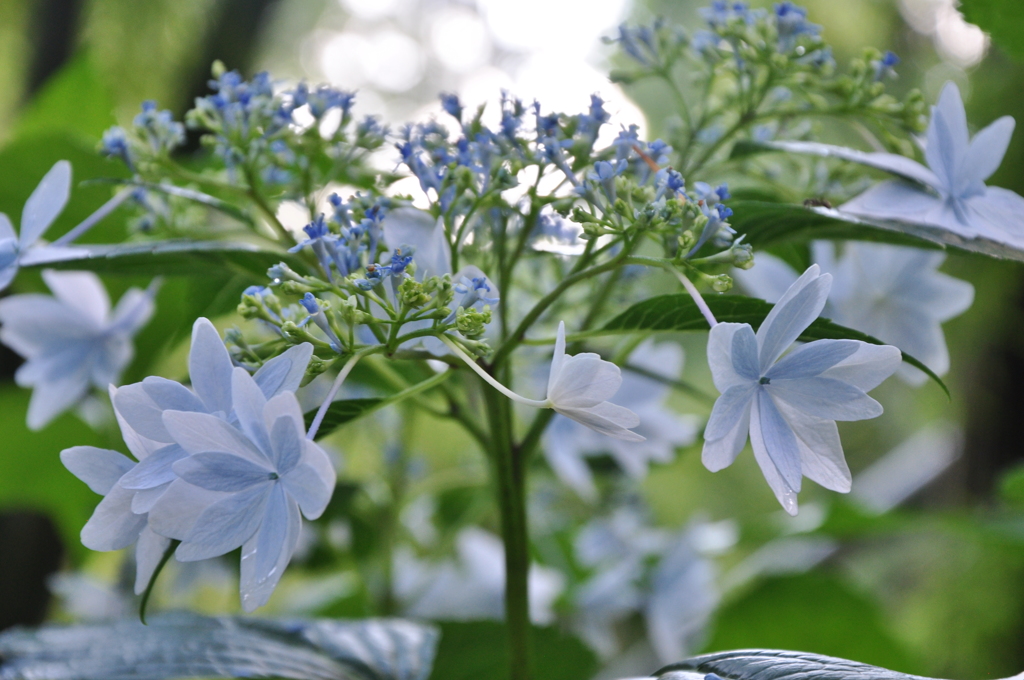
x=579, y=387
x=950, y=193
x=244, y=486
x=789, y=406
x=130, y=488
x=568, y=443
x=894, y=293
x=46, y=202
x=71, y=341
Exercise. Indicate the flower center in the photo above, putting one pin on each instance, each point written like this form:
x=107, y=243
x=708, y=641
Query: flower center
x=765, y=381
x=273, y=475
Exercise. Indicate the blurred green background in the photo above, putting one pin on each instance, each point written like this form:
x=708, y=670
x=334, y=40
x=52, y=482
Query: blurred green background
x=936, y=588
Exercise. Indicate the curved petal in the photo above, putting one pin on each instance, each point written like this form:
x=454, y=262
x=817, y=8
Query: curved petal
x=557, y=358
x=51, y=398
x=7, y=230
x=209, y=366
x=308, y=485
x=46, y=202
x=155, y=470
x=890, y=162
x=100, y=469
x=132, y=312
x=168, y=395
x=608, y=419
x=249, y=402
x=998, y=214
x=585, y=380
x=779, y=440
x=226, y=524
x=178, y=509
x=139, y=446
x=222, y=472
x=113, y=525
x=984, y=155
x=148, y=553
x=744, y=354
x=284, y=373
x=286, y=444
x=812, y=359
x=728, y=410
x=720, y=453
x=144, y=500
x=720, y=347
x=284, y=405
x=783, y=492
x=419, y=229
x=894, y=199
x=140, y=412
x=566, y=458
x=202, y=433
x=265, y=556
x=821, y=452
x=866, y=368
x=826, y=398
x=795, y=311
x=947, y=137
x=81, y=291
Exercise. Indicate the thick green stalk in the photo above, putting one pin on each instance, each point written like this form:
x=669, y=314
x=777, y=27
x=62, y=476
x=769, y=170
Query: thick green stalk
x=510, y=476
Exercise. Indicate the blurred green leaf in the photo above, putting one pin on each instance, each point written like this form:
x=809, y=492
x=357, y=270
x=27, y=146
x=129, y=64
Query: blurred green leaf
x=1011, y=487
x=678, y=312
x=474, y=650
x=811, y=612
x=74, y=100
x=175, y=257
x=1002, y=19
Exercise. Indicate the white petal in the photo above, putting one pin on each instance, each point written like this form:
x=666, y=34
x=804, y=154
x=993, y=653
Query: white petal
x=113, y=525
x=168, y=395
x=998, y=214
x=46, y=202
x=209, y=366
x=35, y=324
x=419, y=229
x=821, y=452
x=566, y=458
x=585, y=380
x=222, y=472
x=6, y=230
x=898, y=165
x=795, y=311
x=98, y=468
x=201, y=432
x=284, y=404
x=148, y=553
x=867, y=367
x=826, y=398
x=81, y=291
x=284, y=373
x=728, y=409
x=779, y=440
x=608, y=419
x=140, y=412
x=226, y=524
x=785, y=495
x=720, y=453
x=139, y=446
x=768, y=279
x=50, y=399
x=812, y=359
x=248, y=403
x=286, y=444
x=144, y=500
x=557, y=358
x=898, y=200
x=720, y=340
x=310, y=484
x=132, y=312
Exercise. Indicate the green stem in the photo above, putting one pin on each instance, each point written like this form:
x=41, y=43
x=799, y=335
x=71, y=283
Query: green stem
x=510, y=476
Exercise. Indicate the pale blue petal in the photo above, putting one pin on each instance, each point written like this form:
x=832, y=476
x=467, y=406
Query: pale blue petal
x=98, y=468
x=898, y=200
x=557, y=358
x=785, y=494
x=148, y=553
x=812, y=359
x=797, y=310
x=53, y=397
x=7, y=230
x=143, y=501
x=286, y=444
x=821, y=452
x=34, y=324
x=608, y=419
x=998, y=215
x=425, y=233
x=8, y=267
x=744, y=354
x=826, y=398
x=728, y=410
x=209, y=366
x=720, y=453
x=222, y=472
x=177, y=510
x=82, y=292
x=133, y=310
x=898, y=165
x=947, y=136
x=155, y=469
x=720, y=356
x=984, y=156
x=169, y=395
x=202, y=433
x=139, y=446
x=248, y=403
x=226, y=524
x=565, y=457
x=779, y=441
x=113, y=525
x=867, y=367
x=140, y=412
x=257, y=582
x=284, y=373
x=585, y=380
x=284, y=405
x=306, y=485
x=46, y=202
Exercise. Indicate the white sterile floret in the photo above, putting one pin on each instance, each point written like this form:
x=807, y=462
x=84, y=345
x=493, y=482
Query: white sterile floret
x=893, y=293
x=244, y=486
x=789, y=406
x=568, y=443
x=122, y=517
x=953, y=195
x=71, y=341
x=579, y=387
x=41, y=209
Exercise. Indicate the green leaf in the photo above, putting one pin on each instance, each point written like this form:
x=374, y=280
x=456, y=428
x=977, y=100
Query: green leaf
x=73, y=100
x=179, y=256
x=678, y=312
x=812, y=612
x=1002, y=19
x=477, y=649
x=347, y=410
x=1011, y=487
